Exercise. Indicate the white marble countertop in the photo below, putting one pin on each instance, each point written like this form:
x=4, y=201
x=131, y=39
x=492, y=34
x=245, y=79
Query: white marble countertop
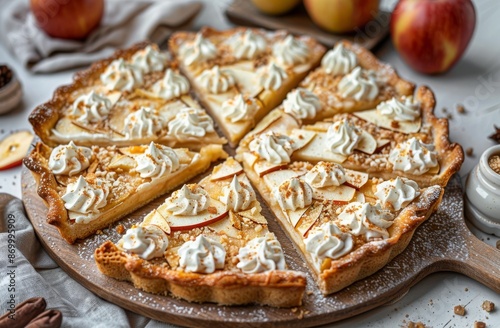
x=473, y=82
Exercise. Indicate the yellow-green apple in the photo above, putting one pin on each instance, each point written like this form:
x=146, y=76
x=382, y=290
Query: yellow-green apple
x=14, y=148
x=340, y=16
x=432, y=35
x=275, y=7
x=68, y=19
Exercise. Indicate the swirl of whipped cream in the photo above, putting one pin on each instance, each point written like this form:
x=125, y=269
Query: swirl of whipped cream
x=202, y=255
x=261, y=254
x=149, y=59
x=238, y=109
x=238, y=196
x=339, y=60
x=121, y=76
x=69, y=159
x=366, y=219
x=325, y=174
x=413, y=156
x=290, y=51
x=91, y=108
x=247, y=45
x=342, y=137
x=197, y=51
x=216, y=80
x=405, y=109
x=274, y=148
x=293, y=194
x=156, y=161
x=397, y=193
x=83, y=198
x=359, y=84
x=189, y=200
x=328, y=241
x=190, y=122
x=271, y=77
x=171, y=86
x=142, y=123
x=302, y=103
x=146, y=242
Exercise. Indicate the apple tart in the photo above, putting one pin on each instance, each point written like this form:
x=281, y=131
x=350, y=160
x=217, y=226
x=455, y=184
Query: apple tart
x=240, y=74
x=134, y=97
x=88, y=188
x=208, y=242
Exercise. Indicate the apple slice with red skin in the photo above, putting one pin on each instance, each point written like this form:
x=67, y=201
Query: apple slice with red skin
x=14, y=148
x=227, y=170
x=189, y=222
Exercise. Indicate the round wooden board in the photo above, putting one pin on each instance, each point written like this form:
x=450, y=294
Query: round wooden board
x=441, y=243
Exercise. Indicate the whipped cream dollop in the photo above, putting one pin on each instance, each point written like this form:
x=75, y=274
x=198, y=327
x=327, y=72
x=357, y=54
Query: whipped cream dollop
x=293, y=193
x=149, y=59
x=342, y=137
x=238, y=196
x=271, y=77
x=413, y=156
x=261, y=254
x=238, y=109
x=202, y=255
x=339, y=60
x=199, y=50
x=147, y=242
x=328, y=241
x=290, y=51
x=366, y=219
x=397, y=193
x=69, y=159
x=272, y=147
x=247, y=45
x=83, y=199
x=157, y=161
x=189, y=123
x=142, y=123
x=302, y=104
x=172, y=85
x=216, y=80
x=189, y=200
x=359, y=84
x=122, y=76
x=91, y=108
x=325, y=174
x=405, y=109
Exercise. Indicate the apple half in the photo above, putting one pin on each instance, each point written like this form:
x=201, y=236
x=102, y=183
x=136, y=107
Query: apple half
x=14, y=148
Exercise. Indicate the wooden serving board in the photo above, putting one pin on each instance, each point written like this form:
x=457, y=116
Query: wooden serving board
x=243, y=12
x=443, y=243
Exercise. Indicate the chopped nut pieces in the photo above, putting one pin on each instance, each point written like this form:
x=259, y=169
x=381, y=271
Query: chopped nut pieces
x=459, y=310
x=494, y=163
x=469, y=151
x=495, y=136
x=488, y=306
x=412, y=324
x=479, y=324
x=120, y=229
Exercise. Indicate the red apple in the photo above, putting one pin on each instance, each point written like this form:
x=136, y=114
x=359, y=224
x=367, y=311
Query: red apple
x=14, y=148
x=68, y=19
x=340, y=16
x=432, y=35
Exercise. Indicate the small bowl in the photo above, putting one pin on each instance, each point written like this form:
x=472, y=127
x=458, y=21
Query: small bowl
x=10, y=95
x=482, y=195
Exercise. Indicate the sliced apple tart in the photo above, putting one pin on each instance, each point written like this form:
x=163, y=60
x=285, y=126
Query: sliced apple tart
x=134, y=97
x=240, y=74
x=88, y=188
x=208, y=242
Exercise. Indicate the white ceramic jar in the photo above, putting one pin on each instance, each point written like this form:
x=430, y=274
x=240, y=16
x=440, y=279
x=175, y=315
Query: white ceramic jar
x=482, y=194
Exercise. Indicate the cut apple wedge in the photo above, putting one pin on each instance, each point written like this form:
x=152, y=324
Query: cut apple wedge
x=355, y=179
x=315, y=151
x=341, y=193
x=294, y=216
x=228, y=169
x=276, y=178
x=156, y=219
x=302, y=137
x=254, y=215
x=373, y=116
x=309, y=218
x=367, y=144
x=14, y=148
x=189, y=222
x=263, y=167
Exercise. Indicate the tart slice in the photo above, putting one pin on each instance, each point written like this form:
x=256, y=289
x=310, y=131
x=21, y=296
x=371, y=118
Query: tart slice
x=347, y=225
x=401, y=137
x=240, y=74
x=134, y=97
x=87, y=189
x=208, y=242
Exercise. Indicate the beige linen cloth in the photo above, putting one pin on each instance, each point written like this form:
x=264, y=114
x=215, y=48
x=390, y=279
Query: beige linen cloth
x=37, y=275
x=124, y=23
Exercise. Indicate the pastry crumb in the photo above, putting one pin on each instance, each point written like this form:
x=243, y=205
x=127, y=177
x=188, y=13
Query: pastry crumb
x=309, y=292
x=460, y=109
x=488, y=306
x=212, y=210
x=479, y=324
x=120, y=229
x=99, y=232
x=294, y=309
x=412, y=324
x=469, y=151
x=494, y=163
x=459, y=310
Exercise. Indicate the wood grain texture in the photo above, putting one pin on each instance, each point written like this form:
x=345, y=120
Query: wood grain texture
x=243, y=12
x=443, y=243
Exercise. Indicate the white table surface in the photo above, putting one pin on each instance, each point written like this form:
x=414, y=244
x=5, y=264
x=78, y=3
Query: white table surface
x=473, y=82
